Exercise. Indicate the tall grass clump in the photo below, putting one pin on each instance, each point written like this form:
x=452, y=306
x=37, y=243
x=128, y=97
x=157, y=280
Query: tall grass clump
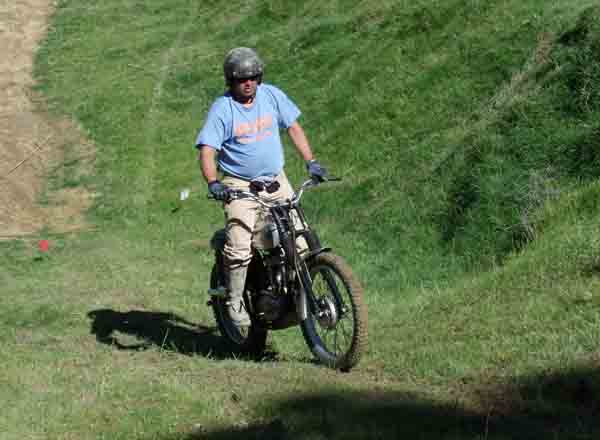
x=537, y=138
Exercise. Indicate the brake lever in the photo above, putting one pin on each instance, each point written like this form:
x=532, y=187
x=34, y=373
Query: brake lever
x=324, y=179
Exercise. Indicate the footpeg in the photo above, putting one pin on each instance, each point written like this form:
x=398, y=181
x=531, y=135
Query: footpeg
x=219, y=292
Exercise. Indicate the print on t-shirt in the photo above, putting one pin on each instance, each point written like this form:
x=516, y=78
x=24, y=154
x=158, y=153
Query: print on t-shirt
x=249, y=132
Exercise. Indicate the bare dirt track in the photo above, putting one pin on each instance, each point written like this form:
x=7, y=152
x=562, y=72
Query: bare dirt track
x=32, y=142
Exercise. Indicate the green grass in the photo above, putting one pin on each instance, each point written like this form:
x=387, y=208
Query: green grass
x=466, y=133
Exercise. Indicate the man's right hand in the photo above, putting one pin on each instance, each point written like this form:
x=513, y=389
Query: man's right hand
x=218, y=190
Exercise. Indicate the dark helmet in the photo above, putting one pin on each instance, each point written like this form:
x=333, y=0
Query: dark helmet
x=242, y=62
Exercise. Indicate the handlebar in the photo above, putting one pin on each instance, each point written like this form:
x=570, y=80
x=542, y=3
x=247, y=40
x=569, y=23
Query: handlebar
x=239, y=194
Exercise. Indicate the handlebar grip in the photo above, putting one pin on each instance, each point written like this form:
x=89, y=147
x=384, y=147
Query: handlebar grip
x=231, y=194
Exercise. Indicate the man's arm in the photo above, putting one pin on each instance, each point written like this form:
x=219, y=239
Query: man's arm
x=316, y=171
x=300, y=141
x=206, y=157
x=209, y=171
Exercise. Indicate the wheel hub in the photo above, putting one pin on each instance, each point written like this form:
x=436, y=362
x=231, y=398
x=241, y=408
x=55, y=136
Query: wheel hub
x=328, y=316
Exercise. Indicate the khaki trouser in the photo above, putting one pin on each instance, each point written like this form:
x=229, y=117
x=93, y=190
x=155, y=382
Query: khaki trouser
x=245, y=219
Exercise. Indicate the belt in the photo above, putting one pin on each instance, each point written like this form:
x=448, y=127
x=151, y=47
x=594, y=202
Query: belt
x=258, y=185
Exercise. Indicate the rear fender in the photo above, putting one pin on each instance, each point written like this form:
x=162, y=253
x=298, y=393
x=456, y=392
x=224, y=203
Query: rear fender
x=217, y=242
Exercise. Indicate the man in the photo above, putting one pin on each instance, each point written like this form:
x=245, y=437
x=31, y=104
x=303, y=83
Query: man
x=241, y=134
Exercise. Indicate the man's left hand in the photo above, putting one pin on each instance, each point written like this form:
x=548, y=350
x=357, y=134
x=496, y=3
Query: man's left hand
x=316, y=171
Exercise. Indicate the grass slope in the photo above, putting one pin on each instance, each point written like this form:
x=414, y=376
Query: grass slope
x=467, y=136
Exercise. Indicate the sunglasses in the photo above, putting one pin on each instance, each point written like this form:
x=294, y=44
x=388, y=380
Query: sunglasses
x=250, y=78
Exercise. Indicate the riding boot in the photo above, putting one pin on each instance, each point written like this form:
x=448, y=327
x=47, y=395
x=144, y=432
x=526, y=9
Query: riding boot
x=236, y=282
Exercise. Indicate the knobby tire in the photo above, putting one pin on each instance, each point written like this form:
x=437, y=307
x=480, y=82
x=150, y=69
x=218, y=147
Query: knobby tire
x=332, y=278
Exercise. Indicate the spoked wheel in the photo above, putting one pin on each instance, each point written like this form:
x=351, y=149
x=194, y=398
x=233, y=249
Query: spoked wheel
x=337, y=333
x=251, y=340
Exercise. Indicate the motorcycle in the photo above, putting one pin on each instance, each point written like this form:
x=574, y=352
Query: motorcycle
x=285, y=287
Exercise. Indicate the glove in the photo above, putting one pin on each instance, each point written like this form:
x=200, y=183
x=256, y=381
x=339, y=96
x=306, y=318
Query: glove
x=218, y=190
x=316, y=171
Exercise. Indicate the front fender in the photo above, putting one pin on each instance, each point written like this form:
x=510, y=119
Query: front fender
x=313, y=253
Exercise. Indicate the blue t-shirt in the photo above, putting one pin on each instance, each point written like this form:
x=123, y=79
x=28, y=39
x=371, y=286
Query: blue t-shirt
x=247, y=138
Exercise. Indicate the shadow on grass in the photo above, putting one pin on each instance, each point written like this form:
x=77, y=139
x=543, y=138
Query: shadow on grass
x=165, y=330
x=355, y=415
x=561, y=405
x=564, y=403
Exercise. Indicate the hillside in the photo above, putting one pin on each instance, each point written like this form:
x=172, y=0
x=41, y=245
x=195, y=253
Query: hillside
x=467, y=135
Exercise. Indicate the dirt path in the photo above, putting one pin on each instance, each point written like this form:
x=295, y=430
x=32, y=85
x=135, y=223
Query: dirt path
x=31, y=142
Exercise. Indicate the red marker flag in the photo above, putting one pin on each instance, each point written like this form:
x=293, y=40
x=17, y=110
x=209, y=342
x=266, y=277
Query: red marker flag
x=44, y=245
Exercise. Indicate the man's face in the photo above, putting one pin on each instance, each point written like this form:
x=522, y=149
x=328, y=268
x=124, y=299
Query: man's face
x=244, y=89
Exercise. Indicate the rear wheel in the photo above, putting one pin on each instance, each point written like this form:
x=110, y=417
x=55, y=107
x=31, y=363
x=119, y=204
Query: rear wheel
x=251, y=340
x=337, y=333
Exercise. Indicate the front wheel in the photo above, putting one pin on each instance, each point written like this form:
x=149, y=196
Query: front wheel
x=337, y=333
x=250, y=340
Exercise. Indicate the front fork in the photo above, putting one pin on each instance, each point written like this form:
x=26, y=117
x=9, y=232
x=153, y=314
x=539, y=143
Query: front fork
x=304, y=295
x=306, y=299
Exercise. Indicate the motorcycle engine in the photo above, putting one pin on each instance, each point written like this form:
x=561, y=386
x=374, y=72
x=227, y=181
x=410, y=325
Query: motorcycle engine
x=271, y=307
